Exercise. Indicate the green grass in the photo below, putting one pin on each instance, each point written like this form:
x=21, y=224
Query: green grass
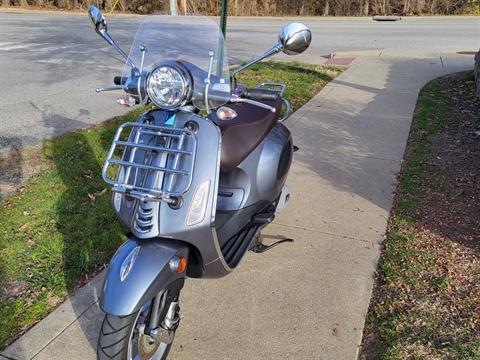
x=302, y=80
x=419, y=309
x=431, y=116
x=53, y=236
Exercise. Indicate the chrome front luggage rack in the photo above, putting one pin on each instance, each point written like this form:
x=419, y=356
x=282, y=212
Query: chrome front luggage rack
x=280, y=89
x=155, y=163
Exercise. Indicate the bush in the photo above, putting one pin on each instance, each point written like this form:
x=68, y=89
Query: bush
x=271, y=7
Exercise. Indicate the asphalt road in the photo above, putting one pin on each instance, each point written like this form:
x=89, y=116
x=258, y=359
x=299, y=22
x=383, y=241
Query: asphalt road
x=50, y=62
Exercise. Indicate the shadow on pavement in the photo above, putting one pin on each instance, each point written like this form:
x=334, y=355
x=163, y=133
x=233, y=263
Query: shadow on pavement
x=356, y=143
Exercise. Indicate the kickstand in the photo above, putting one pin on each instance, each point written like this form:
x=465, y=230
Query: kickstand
x=261, y=248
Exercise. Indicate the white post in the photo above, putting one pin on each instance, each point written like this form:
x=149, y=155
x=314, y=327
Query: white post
x=173, y=7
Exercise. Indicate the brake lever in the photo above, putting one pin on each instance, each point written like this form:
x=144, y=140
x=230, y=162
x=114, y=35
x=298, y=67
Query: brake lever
x=110, y=88
x=238, y=99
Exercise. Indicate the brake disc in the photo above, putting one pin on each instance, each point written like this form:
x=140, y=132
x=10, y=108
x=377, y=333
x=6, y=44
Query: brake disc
x=148, y=346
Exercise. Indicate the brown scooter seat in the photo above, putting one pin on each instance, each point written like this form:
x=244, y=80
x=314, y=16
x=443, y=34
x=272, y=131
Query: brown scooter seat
x=241, y=135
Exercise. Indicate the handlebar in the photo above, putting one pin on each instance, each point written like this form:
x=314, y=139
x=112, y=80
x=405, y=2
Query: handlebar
x=120, y=80
x=253, y=96
x=258, y=96
x=261, y=94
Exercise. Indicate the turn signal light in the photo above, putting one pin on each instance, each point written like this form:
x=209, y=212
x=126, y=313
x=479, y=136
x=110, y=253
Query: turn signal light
x=182, y=265
x=178, y=264
x=226, y=113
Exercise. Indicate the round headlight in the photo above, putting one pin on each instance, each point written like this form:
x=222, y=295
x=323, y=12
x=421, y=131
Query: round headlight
x=169, y=86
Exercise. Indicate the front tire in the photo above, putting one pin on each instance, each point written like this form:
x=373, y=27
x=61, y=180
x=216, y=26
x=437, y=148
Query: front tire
x=124, y=338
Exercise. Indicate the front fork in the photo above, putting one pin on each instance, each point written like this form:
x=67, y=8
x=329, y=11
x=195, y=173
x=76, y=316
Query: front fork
x=166, y=331
x=165, y=306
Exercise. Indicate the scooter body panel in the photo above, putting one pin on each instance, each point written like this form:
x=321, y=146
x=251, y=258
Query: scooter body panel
x=253, y=188
x=172, y=222
x=261, y=176
x=138, y=271
x=255, y=184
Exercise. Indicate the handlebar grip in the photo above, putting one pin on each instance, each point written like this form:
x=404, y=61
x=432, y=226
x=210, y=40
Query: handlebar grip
x=119, y=80
x=261, y=94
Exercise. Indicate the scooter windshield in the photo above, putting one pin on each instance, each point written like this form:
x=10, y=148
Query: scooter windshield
x=195, y=41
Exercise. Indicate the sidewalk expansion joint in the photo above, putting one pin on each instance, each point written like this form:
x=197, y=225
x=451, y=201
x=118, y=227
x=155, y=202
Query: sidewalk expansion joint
x=65, y=329
x=316, y=231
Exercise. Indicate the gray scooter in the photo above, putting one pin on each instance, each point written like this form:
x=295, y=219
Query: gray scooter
x=194, y=180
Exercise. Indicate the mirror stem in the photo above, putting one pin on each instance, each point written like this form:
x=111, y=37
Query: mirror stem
x=108, y=39
x=272, y=51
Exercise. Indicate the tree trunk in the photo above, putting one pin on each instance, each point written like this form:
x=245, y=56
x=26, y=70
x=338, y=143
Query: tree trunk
x=183, y=6
x=406, y=7
x=326, y=9
x=365, y=7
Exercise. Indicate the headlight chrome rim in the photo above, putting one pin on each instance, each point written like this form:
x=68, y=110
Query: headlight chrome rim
x=187, y=85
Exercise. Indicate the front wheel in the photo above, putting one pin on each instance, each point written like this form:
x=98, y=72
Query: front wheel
x=132, y=338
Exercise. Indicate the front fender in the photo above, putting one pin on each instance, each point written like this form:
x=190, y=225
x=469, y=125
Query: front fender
x=149, y=273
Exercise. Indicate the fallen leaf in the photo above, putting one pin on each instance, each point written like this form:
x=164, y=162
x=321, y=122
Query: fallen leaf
x=93, y=196
x=100, y=193
x=24, y=227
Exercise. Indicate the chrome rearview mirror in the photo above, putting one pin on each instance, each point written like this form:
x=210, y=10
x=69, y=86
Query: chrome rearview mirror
x=98, y=20
x=294, y=39
x=100, y=25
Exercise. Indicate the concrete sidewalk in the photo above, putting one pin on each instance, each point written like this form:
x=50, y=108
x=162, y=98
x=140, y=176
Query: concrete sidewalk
x=305, y=300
